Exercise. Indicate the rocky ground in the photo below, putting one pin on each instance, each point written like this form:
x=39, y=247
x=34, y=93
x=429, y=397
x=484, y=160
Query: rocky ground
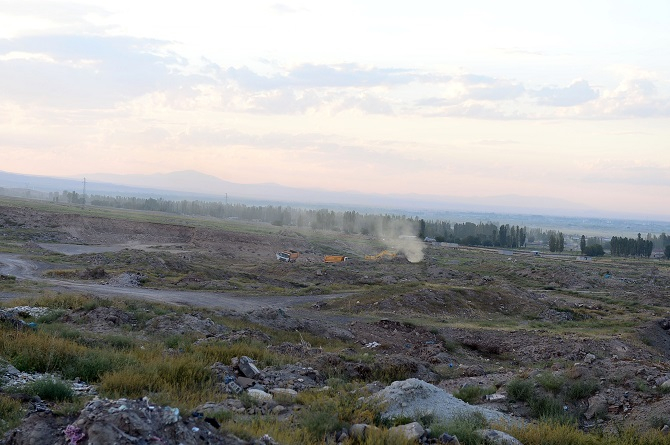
x=459, y=318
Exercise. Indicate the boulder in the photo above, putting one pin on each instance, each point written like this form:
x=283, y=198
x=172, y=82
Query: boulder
x=495, y=437
x=258, y=394
x=411, y=431
x=597, y=406
x=415, y=398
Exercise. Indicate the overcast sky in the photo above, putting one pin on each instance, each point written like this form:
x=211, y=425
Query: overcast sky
x=566, y=99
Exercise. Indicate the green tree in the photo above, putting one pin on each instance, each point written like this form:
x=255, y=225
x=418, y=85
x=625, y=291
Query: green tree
x=502, y=235
x=349, y=222
x=594, y=250
x=667, y=251
x=582, y=244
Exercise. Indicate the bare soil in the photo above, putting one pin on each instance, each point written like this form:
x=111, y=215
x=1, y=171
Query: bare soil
x=459, y=317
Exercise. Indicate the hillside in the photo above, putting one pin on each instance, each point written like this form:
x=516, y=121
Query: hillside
x=141, y=294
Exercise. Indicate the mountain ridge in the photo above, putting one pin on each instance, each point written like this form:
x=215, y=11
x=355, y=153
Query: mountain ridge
x=197, y=185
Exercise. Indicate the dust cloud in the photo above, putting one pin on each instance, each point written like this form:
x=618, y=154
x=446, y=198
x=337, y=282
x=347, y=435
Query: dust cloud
x=400, y=235
x=412, y=248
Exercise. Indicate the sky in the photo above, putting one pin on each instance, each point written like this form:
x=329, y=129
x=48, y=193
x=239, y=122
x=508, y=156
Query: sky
x=566, y=100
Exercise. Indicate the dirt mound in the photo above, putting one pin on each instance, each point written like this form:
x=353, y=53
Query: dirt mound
x=127, y=279
x=657, y=335
x=278, y=318
x=393, y=337
x=184, y=324
x=101, y=319
x=120, y=422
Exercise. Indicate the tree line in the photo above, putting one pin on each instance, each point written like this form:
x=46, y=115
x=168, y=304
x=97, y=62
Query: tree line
x=487, y=234
x=622, y=246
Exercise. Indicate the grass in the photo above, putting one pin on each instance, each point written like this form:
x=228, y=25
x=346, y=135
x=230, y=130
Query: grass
x=550, y=382
x=51, y=390
x=556, y=433
x=11, y=412
x=581, y=389
x=520, y=390
x=463, y=427
x=473, y=394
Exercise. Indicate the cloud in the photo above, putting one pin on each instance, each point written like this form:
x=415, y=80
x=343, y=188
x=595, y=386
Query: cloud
x=284, y=101
x=577, y=93
x=634, y=98
x=367, y=103
x=282, y=8
x=489, y=88
x=87, y=71
x=321, y=76
x=475, y=96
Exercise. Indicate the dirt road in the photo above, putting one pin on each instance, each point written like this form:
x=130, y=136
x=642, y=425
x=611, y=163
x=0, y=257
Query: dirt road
x=22, y=269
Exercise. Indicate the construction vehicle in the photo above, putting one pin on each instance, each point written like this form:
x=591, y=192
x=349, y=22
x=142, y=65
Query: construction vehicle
x=383, y=254
x=334, y=258
x=288, y=256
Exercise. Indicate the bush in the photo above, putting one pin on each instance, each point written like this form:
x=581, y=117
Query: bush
x=581, y=390
x=11, y=413
x=464, y=428
x=543, y=407
x=37, y=352
x=520, y=390
x=320, y=420
x=473, y=393
x=550, y=382
x=51, y=390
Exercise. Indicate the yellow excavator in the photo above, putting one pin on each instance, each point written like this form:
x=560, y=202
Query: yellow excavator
x=383, y=254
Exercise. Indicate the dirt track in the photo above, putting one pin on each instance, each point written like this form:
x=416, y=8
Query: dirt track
x=23, y=269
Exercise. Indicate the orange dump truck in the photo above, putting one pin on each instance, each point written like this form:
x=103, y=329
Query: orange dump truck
x=334, y=258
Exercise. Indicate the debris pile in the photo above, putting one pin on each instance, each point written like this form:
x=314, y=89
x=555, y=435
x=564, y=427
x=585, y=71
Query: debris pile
x=122, y=421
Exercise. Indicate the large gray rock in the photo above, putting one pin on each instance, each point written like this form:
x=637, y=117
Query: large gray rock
x=416, y=398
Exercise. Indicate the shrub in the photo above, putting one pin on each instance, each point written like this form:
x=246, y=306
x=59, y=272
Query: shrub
x=543, y=407
x=320, y=420
x=11, y=413
x=50, y=316
x=581, y=390
x=51, y=390
x=520, y=390
x=464, y=428
x=550, y=382
x=473, y=393
x=121, y=342
x=38, y=352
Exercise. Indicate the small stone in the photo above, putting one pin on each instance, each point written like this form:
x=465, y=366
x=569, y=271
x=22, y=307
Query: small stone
x=496, y=437
x=279, y=409
x=448, y=438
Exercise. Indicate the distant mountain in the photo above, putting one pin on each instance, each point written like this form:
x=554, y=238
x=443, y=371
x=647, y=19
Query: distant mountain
x=196, y=182
x=195, y=185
